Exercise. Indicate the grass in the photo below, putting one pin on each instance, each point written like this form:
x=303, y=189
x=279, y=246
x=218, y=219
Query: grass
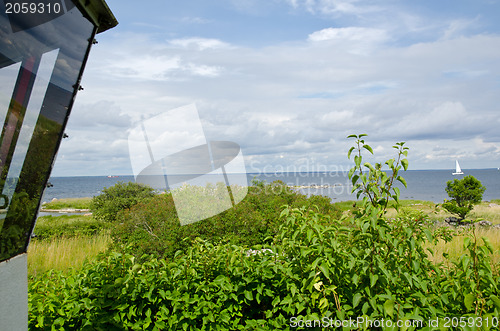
x=69, y=203
x=486, y=210
x=64, y=253
x=455, y=248
x=60, y=220
x=48, y=227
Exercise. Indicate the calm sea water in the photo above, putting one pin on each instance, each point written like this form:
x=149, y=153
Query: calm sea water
x=422, y=184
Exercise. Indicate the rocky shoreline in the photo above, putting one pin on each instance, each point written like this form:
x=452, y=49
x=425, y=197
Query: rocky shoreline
x=457, y=223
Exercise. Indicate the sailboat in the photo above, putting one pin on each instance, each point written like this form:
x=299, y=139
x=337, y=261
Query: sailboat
x=458, y=171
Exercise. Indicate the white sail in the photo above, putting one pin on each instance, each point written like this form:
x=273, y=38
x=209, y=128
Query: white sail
x=458, y=171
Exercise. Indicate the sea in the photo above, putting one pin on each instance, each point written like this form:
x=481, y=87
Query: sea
x=421, y=184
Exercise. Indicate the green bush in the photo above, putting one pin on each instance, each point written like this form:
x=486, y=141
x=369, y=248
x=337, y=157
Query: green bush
x=119, y=197
x=153, y=227
x=464, y=194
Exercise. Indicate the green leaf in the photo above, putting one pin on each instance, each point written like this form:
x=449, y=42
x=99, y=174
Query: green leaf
x=487, y=243
x=389, y=307
x=248, y=295
x=324, y=269
x=402, y=181
x=276, y=301
x=362, y=135
x=369, y=166
x=373, y=280
x=356, y=299
x=323, y=303
x=355, y=279
x=357, y=160
x=496, y=301
x=469, y=301
x=352, y=136
x=428, y=234
x=404, y=162
x=368, y=148
x=398, y=194
x=354, y=179
x=350, y=151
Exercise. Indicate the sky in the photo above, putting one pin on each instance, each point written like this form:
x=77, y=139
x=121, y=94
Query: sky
x=289, y=80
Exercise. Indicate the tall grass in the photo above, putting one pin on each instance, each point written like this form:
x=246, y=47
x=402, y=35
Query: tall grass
x=455, y=248
x=490, y=211
x=64, y=253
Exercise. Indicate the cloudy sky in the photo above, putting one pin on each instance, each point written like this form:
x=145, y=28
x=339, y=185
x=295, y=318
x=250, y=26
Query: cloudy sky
x=288, y=80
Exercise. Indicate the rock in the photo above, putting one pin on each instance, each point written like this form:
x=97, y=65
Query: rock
x=55, y=199
x=496, y=226
x=452, y=220
x=87, y=214
x=493, y=205
x=484, y=223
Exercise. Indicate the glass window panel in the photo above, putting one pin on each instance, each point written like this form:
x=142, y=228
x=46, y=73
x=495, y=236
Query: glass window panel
x=41, y=61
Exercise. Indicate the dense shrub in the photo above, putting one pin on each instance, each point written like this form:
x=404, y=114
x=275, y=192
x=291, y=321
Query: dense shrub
x=119, y=197
x=372, y=269
x=152, y=227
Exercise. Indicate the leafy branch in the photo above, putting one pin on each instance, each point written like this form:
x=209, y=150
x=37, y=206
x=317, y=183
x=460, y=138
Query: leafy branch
x=373, y=182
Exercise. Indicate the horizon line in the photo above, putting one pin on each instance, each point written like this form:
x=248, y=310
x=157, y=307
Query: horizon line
x=265, y=172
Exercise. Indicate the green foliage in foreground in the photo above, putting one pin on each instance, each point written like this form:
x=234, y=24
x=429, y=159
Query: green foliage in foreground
x=315, y=268
x=119, y=197
x=464, y=194
x=152, y=227
x=373, y=268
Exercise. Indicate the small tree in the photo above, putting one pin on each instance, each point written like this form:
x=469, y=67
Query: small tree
x=464, y=194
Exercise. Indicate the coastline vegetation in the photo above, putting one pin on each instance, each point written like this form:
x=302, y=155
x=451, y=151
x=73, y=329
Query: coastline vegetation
x=276, y=256
x=61, y=232
x=68, y=203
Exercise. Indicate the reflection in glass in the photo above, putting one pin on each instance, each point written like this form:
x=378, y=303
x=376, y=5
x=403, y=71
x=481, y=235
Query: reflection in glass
x=40, y=67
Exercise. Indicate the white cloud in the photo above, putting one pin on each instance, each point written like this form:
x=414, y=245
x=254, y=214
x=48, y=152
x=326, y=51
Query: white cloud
x=147, y=67
x=334, y=7
x=350, y=34
x=198, y=43
x=354, y=40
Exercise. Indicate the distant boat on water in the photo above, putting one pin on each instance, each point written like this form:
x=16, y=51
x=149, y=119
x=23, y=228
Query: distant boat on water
x=458, y=171
x=110, y=176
